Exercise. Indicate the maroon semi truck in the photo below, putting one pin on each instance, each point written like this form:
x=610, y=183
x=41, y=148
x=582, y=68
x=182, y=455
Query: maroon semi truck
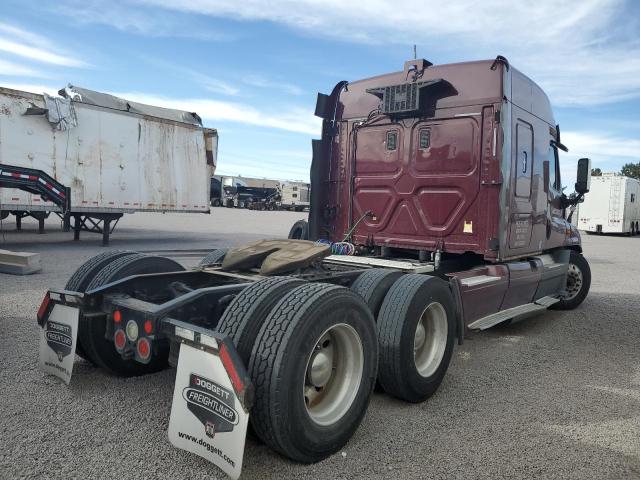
x=436, y=209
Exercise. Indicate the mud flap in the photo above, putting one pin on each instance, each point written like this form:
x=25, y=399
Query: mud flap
x=207, y=418
x=58, y=342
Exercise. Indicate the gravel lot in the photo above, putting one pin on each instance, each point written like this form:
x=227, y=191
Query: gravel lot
x=555, y=396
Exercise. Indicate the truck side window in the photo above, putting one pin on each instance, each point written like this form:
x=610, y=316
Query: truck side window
x=554, y=171
x=425, y=138
x=633, y=197
x=392, y=140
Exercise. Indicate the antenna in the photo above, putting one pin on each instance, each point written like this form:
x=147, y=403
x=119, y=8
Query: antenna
x=415, y=55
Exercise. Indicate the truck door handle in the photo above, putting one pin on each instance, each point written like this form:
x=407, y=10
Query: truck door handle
x=524, y=162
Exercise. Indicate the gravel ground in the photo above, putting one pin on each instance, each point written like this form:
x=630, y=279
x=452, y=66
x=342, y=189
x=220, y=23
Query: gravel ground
x=555, y=396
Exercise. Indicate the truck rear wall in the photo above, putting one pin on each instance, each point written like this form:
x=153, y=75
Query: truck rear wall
x=112, y=160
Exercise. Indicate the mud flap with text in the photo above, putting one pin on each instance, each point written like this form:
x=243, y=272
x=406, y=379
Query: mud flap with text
x=58, y=342
x=206, y=416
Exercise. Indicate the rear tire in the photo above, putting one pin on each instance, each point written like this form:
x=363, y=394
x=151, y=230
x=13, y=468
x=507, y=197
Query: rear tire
x=416, y=330
x=242, y=319
x=82, y=277
x=319, y=341
x=578, y=283
x=214, y=257
x=299, y=230
x=92, y=331
x=373, y=285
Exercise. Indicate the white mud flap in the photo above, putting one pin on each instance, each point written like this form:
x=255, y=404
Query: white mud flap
x=206, y=416
x=58, y=342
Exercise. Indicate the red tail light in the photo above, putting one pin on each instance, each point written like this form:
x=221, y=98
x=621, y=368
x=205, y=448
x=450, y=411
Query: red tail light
x=43, y=306
x=144, y=348
x=117, y=316
x=119, y=339
x=148, y=327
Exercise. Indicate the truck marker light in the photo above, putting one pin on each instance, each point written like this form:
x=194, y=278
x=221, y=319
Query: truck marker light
x=119, y=339
x=132, y=330
x=43, y=306
x=231, y=369
x=148, y=327
x=144, y=348
x=117, y=316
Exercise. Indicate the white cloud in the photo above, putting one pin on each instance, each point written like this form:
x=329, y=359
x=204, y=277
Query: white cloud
x=583, y=52
x=264, y=82
x=11, y=69
x=32, y=87
x=22, y=43
x=293, y=119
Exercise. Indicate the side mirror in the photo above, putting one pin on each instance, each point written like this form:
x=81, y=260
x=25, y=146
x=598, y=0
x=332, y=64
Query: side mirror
x=545, y=175
x=583, y=176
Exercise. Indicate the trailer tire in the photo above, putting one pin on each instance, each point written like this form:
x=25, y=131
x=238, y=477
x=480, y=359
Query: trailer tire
x=242, y=319
x=215, y=202
x=214, y=257
x=82, y=277
x=299, y=230
x=578, y=283
x=418, y=310
x=92, y=331
x=294, y=341
x=373, y=285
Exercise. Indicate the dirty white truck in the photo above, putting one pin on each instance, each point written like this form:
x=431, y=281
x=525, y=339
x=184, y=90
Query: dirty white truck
x=93, y=157
x=448, y=217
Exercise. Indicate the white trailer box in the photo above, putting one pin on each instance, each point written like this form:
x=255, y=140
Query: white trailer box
x=294, y=195
x=113, y=155
x=612, y=205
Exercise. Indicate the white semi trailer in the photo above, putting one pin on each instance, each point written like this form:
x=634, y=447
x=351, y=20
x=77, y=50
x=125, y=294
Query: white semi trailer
x=294, y=195
x=612, y=205
x=92, y=157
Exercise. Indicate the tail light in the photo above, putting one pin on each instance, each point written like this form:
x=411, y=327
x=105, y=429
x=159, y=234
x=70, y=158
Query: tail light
x=117, y=316
x=119, y=339
x=144, y=348
x=43, y=306
x=148, y=327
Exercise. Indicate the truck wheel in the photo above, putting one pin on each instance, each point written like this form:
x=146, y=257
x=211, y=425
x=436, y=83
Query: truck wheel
x=214, y=257
x=373, y=285
x=215, y=202
x=246, y=313
x=578, y=283
x=92, y=331
x=300, y=230
x=313, y=366
x=84, y=274
x=416, y=329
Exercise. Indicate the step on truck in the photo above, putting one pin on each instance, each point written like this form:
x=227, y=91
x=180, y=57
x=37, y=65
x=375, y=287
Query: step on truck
x=436, y=210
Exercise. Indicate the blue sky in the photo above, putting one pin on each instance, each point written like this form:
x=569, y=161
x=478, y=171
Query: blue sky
x=251, y=69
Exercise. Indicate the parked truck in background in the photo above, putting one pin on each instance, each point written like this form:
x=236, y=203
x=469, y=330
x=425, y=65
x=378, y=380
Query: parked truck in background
x=436, y=210
x=92, y=157
x=612, y=205
x=294, y=195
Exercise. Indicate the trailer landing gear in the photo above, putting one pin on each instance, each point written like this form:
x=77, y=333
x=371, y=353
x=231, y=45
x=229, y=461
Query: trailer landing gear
x=96, y=223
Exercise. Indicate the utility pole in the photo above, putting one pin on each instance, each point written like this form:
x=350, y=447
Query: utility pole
x=415, y=55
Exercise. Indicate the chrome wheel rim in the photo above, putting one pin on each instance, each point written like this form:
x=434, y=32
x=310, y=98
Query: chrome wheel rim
x=333, y=374
x=430, y=339
x=574, y=282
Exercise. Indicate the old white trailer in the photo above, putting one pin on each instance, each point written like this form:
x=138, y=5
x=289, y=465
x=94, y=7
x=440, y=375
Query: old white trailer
x=294, y=195
x=612, y=205
x=92, y=157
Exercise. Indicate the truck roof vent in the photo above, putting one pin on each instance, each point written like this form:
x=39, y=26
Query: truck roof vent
x=403, y=98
